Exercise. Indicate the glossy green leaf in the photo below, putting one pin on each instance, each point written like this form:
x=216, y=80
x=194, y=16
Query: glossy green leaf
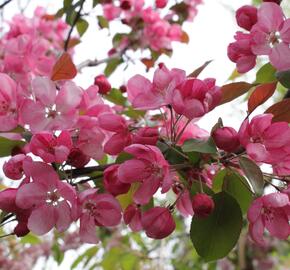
x=266, y=74
x=112, y=65
x=82, y=26
x=200, y=146
x=215, y=236
x=102, y=21
x=6, y=146
x=253, y=174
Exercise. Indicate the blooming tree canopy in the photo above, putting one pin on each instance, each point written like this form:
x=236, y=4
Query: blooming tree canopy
x=94, y=161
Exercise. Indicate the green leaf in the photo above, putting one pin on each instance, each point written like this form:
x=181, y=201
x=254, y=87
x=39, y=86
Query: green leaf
x=82, y=26
x=200, y=146
x=102, y=21
x=67, y=3
x=284, y=78
x=58, y=254
x=253, y=174
x=112, y=65
x=95, y=2
x=116, y=97
x=266, y=74
x=134, y=114
x=6, y=146
x=30, y=239
x=123, y=156
x=215, y=236
x=88, y=254
x=217, y=183
x=195, y=188
x=237, y=186
x=129, y=261
x=126, y=199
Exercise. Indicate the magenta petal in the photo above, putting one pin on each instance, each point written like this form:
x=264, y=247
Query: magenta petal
x=280, y=56
x=63, y=216
x=42, y=220
x=30, y=195
x=88, y=229
x=131, y=171
x=278, y=224
x=146, y=191
x=256, y=231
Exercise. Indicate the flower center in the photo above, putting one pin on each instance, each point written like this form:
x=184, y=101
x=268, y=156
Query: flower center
x=274, y=39
x=53, y=198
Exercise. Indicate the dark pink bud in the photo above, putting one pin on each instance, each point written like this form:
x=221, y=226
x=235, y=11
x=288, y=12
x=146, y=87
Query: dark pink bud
x=123, y=88
x=226, y=138
x=146, y=135
x=202, y=205
x=132, y=217
x=77, y=158
x=112, y=182
x=161, y=3
x=13, y=168
x=125, y=5
x=158, y=222
x=246, y=17
x=112, y=51
x=103, y=84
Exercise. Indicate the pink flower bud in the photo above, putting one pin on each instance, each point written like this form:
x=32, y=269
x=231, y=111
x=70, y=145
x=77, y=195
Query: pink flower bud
x=77, y=158
x=132, y=217
x=103, y=84
x=13, y=168
x=246, y=17
x=202, y=205
x=158, y=222
x=146, y=135
x=125, y=5
x=226, y=138
x=161, y=3
x=112, y=183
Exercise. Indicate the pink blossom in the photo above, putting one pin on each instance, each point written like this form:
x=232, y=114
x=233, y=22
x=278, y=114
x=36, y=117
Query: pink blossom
x=112, y=183
x=158, y=222
x=246, y=16
x=271, y=35
x=271, y=212
x=52, y=109
x=111, y=12
x=51, y=148
x=184, y=204
x=194, y=98
x=77, y=158
x=121, y=137
x=102, y=82
x=146, y=95
x=132, y=217
x=8, y=103
x=146, y=135
x=226, y=138
x=52, y=202
x=97, y=210
x=240, y=52
x=8, y=204
x=149, y=168
x=13, y=168
x=202, y=205
x=264, y=140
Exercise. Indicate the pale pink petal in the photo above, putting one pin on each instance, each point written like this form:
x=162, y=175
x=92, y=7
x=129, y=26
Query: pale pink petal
x=42, y=220
x=256, y=231
x=280, y=56
x=31, y=195
x=44, y=90
x=63, y=216
x=88, y=229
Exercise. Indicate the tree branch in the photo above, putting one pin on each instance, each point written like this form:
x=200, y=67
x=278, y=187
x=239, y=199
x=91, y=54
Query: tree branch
x=73, y=25
x=5, y=3
x=86, y=170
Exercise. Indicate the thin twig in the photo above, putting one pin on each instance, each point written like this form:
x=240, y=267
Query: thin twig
x=5, y=3
x=73, y=25
x=86, y=170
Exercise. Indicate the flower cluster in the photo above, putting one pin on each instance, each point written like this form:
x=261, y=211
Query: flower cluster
x=268, y=35
x=31, y=46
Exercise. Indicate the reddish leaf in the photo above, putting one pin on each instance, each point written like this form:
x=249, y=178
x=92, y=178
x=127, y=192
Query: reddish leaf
x=72, y=42
x=196, y=72
x=280, y=110
x=149, y=63
x=64, y=68
x=262, y=93
x=184, y=37
x=233, y=90
x=48, y=17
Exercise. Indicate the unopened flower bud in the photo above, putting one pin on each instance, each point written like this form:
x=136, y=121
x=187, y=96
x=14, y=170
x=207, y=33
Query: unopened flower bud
x=202, y=205
x=103, y=84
